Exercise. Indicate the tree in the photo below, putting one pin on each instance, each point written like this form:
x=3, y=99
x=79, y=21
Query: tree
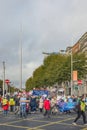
x=1, y=84
x=57, y=69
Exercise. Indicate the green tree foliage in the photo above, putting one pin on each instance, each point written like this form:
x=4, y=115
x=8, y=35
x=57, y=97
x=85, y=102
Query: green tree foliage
x=53, y=64
x=80, y=64
x=1, y=84
x=57, y=69
x=38, y=76
x=12, y=89
x=29, y=84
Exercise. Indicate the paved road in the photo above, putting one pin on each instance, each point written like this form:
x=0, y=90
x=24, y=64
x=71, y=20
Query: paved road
x=38, y=122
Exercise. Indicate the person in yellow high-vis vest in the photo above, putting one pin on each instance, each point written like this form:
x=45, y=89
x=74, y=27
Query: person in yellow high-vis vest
x=12, y=104
x=81, y=107
x=5, y=105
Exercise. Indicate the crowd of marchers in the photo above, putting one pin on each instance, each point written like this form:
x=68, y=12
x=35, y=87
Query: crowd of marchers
x=23, y=104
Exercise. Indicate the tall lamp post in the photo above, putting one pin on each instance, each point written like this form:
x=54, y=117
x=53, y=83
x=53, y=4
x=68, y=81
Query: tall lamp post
x=20, y=57
x=71, y=85
x=71, y=72
x=3, y=77
x=21, y=66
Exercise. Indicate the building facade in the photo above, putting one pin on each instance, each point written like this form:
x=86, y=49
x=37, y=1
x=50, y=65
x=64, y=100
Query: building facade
x=80, y=47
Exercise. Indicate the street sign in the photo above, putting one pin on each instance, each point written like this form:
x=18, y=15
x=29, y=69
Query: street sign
x=7, y=81
x=80, y=82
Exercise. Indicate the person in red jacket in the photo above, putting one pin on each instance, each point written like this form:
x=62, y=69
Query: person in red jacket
x=47, y=107
x=5, y=106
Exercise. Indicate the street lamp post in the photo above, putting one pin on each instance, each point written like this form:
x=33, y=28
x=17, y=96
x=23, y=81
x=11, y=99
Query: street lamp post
x=3, y=78
x=71, y=73
x=71, y=69
x=20, y=56
x=21, y=66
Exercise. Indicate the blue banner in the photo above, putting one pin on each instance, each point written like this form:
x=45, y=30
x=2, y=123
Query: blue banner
x=40, y=92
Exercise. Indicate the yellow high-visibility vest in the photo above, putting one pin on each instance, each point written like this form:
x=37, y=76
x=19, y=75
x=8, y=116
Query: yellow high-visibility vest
x=4, y=101
x=83, y=106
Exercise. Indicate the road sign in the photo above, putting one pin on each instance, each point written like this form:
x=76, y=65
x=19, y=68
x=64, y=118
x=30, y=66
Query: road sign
x=7, y=81
x=80, y=82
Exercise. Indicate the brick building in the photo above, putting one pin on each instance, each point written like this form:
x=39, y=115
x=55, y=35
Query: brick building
x=79, y=47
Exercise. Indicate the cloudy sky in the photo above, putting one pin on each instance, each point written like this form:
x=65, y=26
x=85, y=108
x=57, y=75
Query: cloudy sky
x=40, y=26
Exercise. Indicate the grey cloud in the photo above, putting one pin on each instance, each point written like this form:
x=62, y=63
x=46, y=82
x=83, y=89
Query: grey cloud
x=40, y=25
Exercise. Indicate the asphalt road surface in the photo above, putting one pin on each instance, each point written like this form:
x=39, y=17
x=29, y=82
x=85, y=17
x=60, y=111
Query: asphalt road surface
x=38, y=122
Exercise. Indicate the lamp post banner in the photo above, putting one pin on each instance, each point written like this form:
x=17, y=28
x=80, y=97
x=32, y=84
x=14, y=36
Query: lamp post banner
x=75, y=77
